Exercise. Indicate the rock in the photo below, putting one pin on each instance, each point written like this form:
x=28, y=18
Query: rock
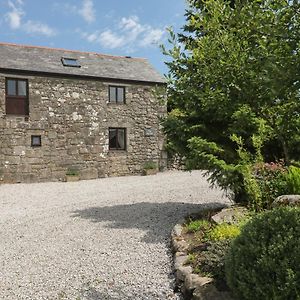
x=89, y=173
x=180, y=261
x=230, y=215
x=177, y=230
x=209, y=292
x=180, y=245
x=287, y=200
x=182, y=272
x=193, y=281
x=180, y=254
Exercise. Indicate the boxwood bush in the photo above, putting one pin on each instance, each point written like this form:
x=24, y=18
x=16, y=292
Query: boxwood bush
x=263, y=262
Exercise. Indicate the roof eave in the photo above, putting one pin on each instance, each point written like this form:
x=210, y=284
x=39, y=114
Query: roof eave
x=84, y=77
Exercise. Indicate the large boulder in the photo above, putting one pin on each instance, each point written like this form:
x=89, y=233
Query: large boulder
x=231, y=215
x=287, y=200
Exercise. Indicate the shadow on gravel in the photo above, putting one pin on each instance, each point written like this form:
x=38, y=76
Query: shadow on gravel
x=93, y=294
x=156, y=219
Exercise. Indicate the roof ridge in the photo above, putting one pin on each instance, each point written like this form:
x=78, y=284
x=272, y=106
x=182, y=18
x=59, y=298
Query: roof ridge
x=67, y=50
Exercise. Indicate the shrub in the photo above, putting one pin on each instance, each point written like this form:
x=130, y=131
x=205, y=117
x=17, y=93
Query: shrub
x=223, y=231
x=72, y=171
x=271, y=179
x=150, y=165
x=293, y=180
x=212, y=261
x=197, y=225
x=264, y=260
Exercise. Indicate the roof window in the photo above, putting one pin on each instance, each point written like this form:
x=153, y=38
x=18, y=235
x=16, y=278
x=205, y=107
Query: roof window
x=70, y=62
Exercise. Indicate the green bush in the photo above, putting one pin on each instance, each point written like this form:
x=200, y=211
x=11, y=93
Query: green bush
x=212, y=261
x=150, y=165
x=293, y=180
x=271, y=179
x=263, y=262
x=72, y=171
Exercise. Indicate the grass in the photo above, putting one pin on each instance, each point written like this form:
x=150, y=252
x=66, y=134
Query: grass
x=192, y=257
x=197, y=225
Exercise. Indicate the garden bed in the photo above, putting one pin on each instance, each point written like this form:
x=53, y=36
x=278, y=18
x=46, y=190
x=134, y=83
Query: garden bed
x=200, y=244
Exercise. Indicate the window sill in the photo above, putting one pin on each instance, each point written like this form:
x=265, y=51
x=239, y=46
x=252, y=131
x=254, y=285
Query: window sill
x=114, y=152
x=11, y=116
x=115, y=103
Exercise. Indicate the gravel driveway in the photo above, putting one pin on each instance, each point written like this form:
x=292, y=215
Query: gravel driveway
x=99, y=239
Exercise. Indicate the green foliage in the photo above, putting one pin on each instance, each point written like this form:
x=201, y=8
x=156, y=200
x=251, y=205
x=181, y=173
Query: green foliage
x=271, y=178
x=263, y=182
x=72, y=171
x=293, y=180
x=212, y=261
x=245, y=166
x=191, y=258
x=263, y=262
x=150, y=165
x=232, y=70
x=197, y=225
x=223, y=231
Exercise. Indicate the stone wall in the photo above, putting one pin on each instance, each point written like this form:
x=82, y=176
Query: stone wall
x=73, y=116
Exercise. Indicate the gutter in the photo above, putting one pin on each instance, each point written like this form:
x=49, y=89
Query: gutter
x=80, y=77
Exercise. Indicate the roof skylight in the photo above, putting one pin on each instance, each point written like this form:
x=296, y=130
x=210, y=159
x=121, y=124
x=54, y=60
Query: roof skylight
x=70, y=62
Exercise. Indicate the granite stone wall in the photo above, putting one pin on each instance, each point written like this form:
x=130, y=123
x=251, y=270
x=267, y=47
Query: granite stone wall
x=73, y=117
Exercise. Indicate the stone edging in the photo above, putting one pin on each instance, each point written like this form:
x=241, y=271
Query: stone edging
x=192, y=286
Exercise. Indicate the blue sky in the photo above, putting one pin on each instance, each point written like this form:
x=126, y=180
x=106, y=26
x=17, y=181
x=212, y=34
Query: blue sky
x=118, y=27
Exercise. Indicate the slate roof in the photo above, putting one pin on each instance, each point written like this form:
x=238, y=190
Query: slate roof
x=48, y=60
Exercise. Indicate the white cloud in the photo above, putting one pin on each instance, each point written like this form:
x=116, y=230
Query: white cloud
x=153, y=36
x=107, y=39
x=87, y=11
x=14, y=16
x=38, y=28
x=131, y=28
x=111, y=40
x=129, y=34
x=130, y=23
x=14, y=19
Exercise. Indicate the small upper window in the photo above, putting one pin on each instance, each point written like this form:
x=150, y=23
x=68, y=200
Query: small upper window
x=117, y=94
x=70, y=62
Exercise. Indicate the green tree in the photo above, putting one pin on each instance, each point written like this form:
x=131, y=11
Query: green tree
x=235, y=65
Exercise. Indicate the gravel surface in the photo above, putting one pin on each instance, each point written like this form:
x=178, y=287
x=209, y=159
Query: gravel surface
x=99, y=239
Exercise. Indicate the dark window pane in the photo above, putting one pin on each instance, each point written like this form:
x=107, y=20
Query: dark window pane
x=22, y=88
x=120, y=95
x=112, y=94
x=70, y=62
x=121, y=139
x=11, y=87
x=36, y=140
x=112, y=138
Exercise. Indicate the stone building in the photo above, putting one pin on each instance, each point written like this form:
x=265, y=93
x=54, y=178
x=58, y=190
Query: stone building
x=67, y=111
